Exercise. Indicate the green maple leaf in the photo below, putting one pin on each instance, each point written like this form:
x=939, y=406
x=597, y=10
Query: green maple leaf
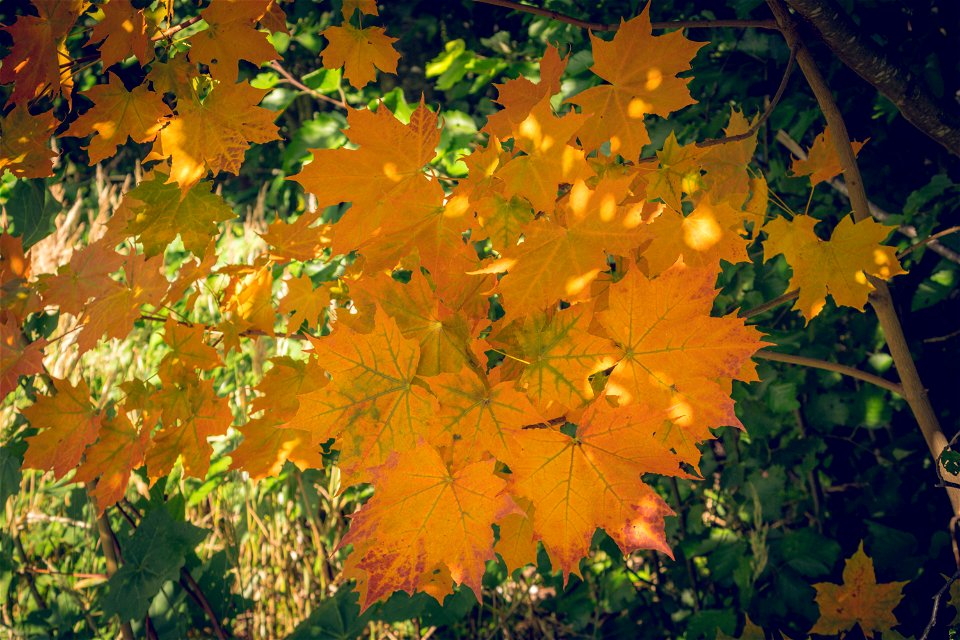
x=157, y=212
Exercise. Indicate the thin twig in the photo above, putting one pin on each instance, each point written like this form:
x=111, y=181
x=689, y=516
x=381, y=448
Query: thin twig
x=842, y=369
x=928, y=240
x=936, y=604
x=299, y=85
x=177, y=28
x=107, y=541
x=766, y=306
x=791, y=63
x=599, y=26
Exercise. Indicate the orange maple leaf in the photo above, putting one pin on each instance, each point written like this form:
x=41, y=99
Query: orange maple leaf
x=267, y=446
x=672, y=355
x=642, y=72
x=592, y=479
x=17, y=357
x=418, y=493
x=25, y=142
x=213, y=133
x=230, y=37
x=38, y=51
x=373, y=403
x=111, y=459
x=822, y=162
x=832, y=268
x=118, y=114
x=859, y=600
x=125, y=31
x=360, y=52
x=67, y=422
x=519, y=96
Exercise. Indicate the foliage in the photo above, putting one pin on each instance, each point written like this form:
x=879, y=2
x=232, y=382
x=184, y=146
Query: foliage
x=471, y=324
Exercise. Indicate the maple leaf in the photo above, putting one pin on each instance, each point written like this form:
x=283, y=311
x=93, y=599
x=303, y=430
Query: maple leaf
x=86, y=276
x=477, y=413
x=67, y=422
x=118, y=114
x=366, y=7
x=516, y=544
x=711, y=233
x=252, y=300
x=422, y=515
x=111, y=459
x=117, y=307
x=728, y=178
x=518, y=95
x=157, y=212
x=592, y=480
x=832, y=268
x=373, y=403
x=283, y=383
x=213, y=134
x=642, y=72
x=558, y=355
x=18, y=296
x=34, y=61
x=187, y=347
x=360, y=52
x=502, y=220
x=304, y=303
x=266, y=447
x=560, y=260
x=230, y=37
x=125, y=31
x=298, y=240
x=443, y=334
x=677, y=173
x=192, y=413
x=25, y=143
x=859, y=600
x=17, y=357
x=672, y=355
x=822, y=162
x=548, y=160
x=175, y=76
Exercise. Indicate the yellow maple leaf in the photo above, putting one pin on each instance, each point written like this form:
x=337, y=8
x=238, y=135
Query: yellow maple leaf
x=518, y=96
x=834, y=267
x=157, y=212
x=230, y=37
x=360, y=52
x=859, y=600
x=125, y=30
x=266, y=447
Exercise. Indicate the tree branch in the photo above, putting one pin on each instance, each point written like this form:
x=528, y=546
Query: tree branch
x=107, y=541
x=906, y=229
x=913, y=390
x=939, y=119
x=299, y=85
x=825, y=365
x=599, y=26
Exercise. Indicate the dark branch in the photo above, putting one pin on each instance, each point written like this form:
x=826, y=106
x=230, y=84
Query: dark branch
x=937, y=118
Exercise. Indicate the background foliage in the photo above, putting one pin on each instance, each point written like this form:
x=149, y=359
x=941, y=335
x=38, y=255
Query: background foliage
x=825, y=462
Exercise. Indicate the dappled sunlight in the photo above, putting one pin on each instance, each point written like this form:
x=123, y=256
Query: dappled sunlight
x=654, y=79
x=701, y=231
x=577, y=284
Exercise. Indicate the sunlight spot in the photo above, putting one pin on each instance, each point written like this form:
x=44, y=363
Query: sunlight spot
x=681, y=413
x=390, y=170
x=579, y=283
x=690, y=182
x=127, y=26
x=579, y=198
x=637, y=107
x=654, y=79
x=546, y=144
x=456, y=207
x=885, y=268
x=700, y=230
x=530, y=128
x=860, y=277
x=608, y=207
x=615, y=144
